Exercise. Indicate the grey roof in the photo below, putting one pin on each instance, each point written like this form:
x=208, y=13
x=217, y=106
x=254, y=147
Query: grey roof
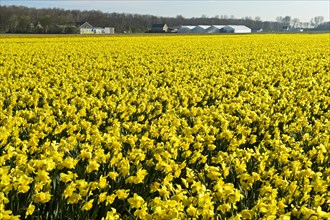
x=204, y=26
x=219, y=26
x=211, y=28
x=86, y=25
x=158, y=25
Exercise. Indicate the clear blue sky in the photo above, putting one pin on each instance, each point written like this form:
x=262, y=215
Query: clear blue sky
x=268, y=10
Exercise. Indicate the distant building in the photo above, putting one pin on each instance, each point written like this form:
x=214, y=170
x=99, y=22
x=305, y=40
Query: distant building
x=37, y=25
x=237, y=29
x=257, y=30
x=292, y=29
x=159, y=28
x=324, y=26
x=298, y=30
x=227, y=29
x=172, y=30
x=185, y=28
x=200, y=29
x=214, y=29
x=87, y=28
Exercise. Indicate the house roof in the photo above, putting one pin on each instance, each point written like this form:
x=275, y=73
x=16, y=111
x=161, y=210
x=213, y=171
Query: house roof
x=158, y=25
x=86, y=25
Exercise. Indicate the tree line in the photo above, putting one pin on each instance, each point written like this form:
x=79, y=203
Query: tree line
x=20, y=19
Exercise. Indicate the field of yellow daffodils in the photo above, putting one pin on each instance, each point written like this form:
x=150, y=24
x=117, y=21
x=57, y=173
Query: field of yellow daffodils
x=165, y=127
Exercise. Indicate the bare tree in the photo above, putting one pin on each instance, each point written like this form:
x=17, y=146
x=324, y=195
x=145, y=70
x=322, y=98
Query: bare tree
x=316, y=21
x=279, y=19
x=287, y=20
x=295, y=22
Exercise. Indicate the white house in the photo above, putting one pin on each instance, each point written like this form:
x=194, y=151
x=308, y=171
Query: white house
x=87, y=28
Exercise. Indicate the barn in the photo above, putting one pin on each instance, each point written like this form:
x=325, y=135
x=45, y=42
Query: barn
x=159, y=28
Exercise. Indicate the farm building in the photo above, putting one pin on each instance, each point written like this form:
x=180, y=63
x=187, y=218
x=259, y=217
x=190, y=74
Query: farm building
x=240, y=28
x=214, y=29
x=185, y=28
x=159, y=28
x=87, y=28
x=227, y=29
x=200, y=29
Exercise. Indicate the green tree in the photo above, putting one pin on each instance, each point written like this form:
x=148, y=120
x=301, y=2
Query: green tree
x=24, y=25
